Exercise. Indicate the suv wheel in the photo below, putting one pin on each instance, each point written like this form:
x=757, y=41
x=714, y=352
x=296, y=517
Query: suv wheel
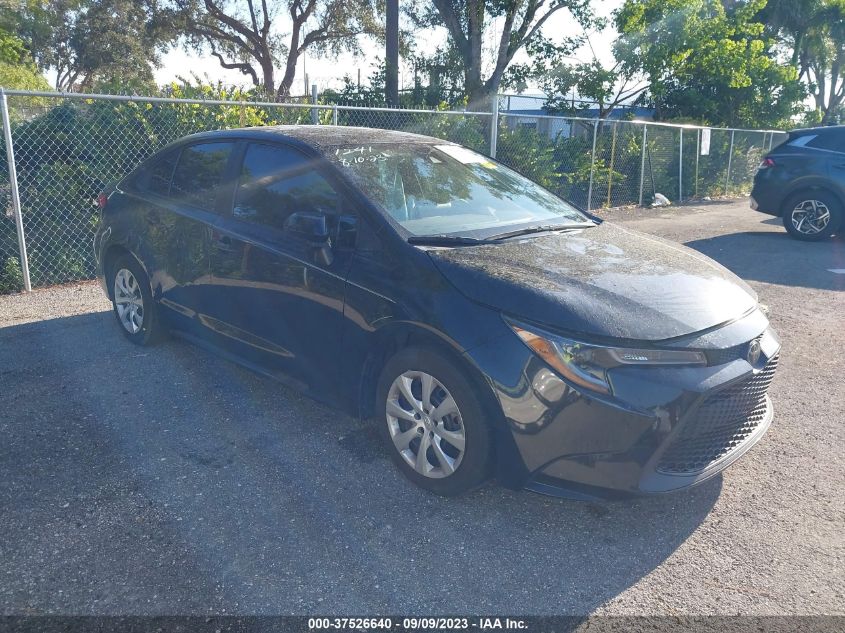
x=433, y=423
x=812, y=215
x=132, y=302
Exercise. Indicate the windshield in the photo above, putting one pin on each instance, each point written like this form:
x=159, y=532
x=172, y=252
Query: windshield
x=450, y=190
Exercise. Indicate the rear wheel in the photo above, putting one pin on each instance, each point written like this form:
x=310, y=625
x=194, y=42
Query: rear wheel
x=812, y=215
x=433, y=422
x=132, y=302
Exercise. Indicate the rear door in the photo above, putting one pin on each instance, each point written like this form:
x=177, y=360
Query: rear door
x=279, y=304
x=179, y=219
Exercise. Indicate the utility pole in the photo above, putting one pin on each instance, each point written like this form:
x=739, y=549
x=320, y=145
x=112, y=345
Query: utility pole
x=391, y=60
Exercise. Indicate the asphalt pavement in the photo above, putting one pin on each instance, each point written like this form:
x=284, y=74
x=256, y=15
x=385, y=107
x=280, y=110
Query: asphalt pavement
x=169, y=481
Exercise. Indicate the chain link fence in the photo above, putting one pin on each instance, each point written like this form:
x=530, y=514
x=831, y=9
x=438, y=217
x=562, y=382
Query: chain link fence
x=68, y=148
x=608, y=163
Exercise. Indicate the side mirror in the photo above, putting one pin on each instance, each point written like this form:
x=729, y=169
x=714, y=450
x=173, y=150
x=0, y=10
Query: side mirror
x=313, y=228
x=308, y=225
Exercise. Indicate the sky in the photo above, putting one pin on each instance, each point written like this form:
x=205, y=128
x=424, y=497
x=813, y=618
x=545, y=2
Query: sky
x=329, y=72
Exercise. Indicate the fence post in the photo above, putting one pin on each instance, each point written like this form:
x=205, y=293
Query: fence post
x=681, y=168
x=13, y=183
x=494, y=125
x=592, y=164
x=334, y=114
x=612, y=159
x=730, y=159
x=697, y=157
x=642, y=161
x=315, y=118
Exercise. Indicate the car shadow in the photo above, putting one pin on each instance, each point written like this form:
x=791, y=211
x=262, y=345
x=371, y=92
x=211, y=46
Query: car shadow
x=166, y=480
x=776, y=258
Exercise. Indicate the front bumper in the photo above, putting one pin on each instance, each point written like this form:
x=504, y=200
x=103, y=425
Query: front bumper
x=663, y=429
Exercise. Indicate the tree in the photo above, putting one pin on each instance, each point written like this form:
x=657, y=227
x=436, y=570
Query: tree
x=707, y=62
x=16, y=67
x=245, y=35
x=813, y=32
x=471, y=22
x=608, y=86
x=88, y=42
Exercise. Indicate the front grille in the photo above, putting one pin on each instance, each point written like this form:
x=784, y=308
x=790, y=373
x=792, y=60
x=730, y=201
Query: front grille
x=722, y=356
x=723, y=421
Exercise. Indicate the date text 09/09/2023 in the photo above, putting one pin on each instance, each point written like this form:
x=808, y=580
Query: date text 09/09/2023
x=416, y=624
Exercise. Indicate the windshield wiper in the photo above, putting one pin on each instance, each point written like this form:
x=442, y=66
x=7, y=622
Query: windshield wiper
x=539, y=229
x=447, y=240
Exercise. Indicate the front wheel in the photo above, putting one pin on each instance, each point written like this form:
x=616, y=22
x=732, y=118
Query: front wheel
x=812, y=216
x=132, y=302
x=433, y=422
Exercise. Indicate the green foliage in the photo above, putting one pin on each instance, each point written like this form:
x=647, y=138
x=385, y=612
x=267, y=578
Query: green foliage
x=96, y=44
x=812, y=32
x=443, y=90
x=256, y=39
x=22, y=77
x=561, y=164
x=11, y=276
x=16, y=68
x=510, y=26
x=707, y=62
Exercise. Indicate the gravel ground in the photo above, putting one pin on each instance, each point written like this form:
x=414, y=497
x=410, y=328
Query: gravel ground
x=169, y=481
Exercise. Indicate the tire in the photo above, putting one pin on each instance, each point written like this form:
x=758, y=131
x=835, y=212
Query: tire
x=132, y=302
x=446, y=469
x=812, y=216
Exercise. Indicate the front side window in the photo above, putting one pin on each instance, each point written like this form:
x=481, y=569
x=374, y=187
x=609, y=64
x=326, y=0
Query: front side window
x=275, y=182
x=199, y=173
x=451, y=190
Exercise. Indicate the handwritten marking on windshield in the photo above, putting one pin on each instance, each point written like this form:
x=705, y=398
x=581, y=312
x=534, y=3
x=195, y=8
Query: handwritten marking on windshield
x=348, y=156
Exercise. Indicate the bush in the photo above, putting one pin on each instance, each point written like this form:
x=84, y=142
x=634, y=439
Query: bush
x=11, y=276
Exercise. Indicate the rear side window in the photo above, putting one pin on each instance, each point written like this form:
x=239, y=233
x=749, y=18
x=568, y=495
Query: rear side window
x=159, y=174
x=275, y=182
x=802, y=141
x=199, y=173
x=832, y=140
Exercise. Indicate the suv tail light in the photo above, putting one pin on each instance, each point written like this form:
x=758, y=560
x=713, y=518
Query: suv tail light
x=767, y=162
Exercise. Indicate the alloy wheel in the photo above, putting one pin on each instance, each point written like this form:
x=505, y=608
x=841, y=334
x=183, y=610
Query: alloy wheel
x=810, y=217
x=128, y=301
x=425, y=424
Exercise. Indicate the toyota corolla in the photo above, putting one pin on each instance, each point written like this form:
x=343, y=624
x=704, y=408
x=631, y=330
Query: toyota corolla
x=489, y=327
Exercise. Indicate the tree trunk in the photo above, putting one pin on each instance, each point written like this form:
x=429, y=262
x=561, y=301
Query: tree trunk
x=268, y=72
x=481, y=98
x=283, y=91
x=476, y=90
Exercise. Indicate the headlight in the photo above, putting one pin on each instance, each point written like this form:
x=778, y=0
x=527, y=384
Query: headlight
x=586, y=365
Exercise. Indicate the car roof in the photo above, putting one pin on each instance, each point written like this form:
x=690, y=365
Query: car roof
x=816, y=130
x=320, y=137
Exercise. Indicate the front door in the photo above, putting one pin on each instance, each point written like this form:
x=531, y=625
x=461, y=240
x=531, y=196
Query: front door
x=279, y=298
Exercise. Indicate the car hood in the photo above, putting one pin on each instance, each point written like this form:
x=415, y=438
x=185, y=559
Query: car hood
x=605, y=281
